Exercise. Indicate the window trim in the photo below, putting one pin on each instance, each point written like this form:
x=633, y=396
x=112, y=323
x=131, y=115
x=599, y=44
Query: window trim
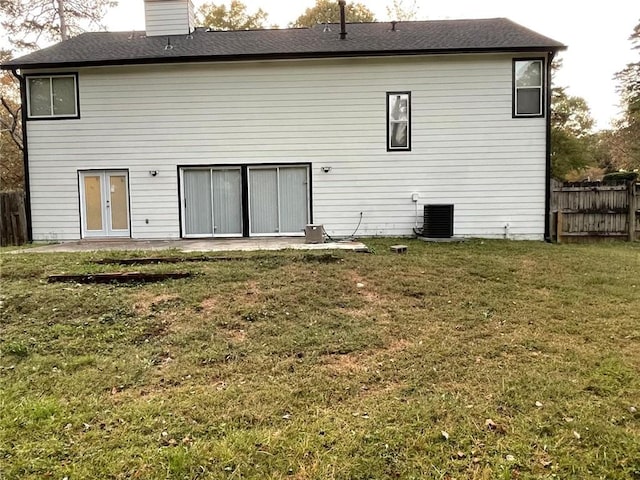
x=514, y=88
x=51, y=76
x=388, y=122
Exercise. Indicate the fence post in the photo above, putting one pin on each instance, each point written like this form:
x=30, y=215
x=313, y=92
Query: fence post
x=633, y=206
x=559, y=226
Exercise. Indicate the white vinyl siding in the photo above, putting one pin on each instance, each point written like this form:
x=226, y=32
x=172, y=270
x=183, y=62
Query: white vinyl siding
x=168, y=17
x=466, y=147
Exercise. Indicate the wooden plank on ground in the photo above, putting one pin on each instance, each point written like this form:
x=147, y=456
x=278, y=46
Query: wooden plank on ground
x=118, y=277
x=155, y=260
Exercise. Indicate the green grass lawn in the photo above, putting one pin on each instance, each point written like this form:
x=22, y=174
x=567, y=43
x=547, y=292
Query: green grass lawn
x=482, y=360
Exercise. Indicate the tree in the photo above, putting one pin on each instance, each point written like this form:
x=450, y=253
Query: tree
x=219, y=17
x=328, y=11
x=573, y=144
x=572, y=141
x=626, y=138
x=28, y=22
x=11, y=167
x=402, y=13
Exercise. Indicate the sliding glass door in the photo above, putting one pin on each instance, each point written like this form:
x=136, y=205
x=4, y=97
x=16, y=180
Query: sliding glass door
x=244, y=200
x=212, y=202
x=278, y=200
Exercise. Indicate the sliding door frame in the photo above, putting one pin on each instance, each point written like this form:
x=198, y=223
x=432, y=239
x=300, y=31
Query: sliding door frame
x=244, y=172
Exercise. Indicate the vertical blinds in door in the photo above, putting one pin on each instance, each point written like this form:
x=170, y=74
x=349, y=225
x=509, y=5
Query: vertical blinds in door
x=263, y=185
x=197, y=202
x=293, y=199
x=227, y=202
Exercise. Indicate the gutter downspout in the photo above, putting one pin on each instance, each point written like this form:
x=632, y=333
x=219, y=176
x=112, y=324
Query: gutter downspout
x=547, y=196
x=25, y=151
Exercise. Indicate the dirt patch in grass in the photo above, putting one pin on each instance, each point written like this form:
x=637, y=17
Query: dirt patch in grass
x=236, y=335
x=397, y=346
x=347, y=363
x=146, y=303
x=209, y=304
x=365, y=360
x=252, y=291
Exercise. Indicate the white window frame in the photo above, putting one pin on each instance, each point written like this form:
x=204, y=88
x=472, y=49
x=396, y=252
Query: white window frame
x=516, y=88
x=52, y=115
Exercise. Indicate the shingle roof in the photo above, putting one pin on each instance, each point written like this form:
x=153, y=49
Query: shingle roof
x=363, y=39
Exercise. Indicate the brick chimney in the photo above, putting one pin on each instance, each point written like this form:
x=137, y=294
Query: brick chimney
x=168, y=17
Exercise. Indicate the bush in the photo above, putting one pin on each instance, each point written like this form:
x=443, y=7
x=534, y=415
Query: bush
x=619, y=177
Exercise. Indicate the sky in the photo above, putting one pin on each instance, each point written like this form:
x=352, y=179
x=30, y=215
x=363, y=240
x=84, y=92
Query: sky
x=596, y=34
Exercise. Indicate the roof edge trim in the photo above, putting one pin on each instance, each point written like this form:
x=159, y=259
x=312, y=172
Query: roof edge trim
x=275, y=56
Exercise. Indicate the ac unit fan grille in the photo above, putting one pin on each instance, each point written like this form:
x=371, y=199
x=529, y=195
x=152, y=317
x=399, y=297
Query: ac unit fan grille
x=438, y=221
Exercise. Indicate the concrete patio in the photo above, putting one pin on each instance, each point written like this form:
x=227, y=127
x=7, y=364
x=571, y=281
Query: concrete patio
x=199, y=245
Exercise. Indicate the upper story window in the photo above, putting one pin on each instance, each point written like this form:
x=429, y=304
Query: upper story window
x=52, y=96
x=398, y=121
x=528, y=87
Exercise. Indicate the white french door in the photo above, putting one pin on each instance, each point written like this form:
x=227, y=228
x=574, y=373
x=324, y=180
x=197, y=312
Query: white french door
x=212, y=202
x=104, y=203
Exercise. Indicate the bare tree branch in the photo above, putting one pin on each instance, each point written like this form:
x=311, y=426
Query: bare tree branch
x=13, y=126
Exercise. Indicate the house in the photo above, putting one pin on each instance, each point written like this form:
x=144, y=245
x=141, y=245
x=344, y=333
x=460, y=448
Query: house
x=182, y=132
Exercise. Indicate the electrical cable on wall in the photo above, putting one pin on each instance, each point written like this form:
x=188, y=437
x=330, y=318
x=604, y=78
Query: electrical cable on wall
x=349, y=238
x=353, y=235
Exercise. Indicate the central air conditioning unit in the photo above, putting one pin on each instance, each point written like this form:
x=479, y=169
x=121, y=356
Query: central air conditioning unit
x=438, y=221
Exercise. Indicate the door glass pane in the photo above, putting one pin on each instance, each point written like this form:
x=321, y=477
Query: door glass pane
x=118, y=197
x=39, y=97
x=64, y=96
x=197, y=209
x=227, y=202
x=293, y=199
x=263, y=191
x=93, y=202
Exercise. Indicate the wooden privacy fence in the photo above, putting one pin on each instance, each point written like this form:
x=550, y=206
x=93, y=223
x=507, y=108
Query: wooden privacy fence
x=591, y=211
x=13, y=219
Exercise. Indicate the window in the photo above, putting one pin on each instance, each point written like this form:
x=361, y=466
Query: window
x=528, y=83
x=398, y=121
x=52, y=96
